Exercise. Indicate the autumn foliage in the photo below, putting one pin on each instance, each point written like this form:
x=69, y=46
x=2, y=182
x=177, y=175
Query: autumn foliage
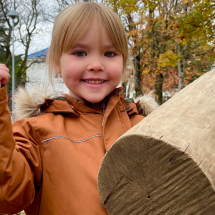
x=171, y=42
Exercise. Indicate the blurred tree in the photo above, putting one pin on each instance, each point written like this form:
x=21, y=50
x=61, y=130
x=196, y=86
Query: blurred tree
x=167, y=40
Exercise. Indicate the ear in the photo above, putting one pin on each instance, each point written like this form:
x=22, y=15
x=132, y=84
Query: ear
x=57, y=67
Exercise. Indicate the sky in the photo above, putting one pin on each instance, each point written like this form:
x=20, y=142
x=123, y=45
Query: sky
x=39, y=42
x=44, y=29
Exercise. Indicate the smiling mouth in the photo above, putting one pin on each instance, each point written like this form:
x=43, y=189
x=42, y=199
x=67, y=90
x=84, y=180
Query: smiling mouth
x=94, y=81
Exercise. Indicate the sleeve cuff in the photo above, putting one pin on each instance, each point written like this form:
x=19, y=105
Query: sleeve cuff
x=3, y=93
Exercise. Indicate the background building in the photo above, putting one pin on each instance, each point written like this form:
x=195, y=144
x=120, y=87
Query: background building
x=37, y=73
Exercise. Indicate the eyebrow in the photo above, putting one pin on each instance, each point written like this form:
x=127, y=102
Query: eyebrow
x=83, y=45
x=109, y=46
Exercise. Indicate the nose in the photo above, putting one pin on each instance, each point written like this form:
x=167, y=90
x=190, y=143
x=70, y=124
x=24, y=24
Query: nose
x=95, y=65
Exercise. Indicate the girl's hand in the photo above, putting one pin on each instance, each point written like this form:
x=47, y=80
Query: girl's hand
x=4, y=75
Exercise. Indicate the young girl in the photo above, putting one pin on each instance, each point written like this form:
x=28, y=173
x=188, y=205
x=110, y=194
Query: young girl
x=50, y=157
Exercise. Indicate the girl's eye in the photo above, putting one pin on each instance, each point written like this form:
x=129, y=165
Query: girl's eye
x=110, y=54
x=80, y=53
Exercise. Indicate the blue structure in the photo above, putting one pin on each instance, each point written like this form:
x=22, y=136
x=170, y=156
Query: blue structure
x=40, y=54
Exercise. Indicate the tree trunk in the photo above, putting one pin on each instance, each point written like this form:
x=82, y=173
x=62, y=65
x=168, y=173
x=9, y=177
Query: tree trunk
x=136, y=61
x=181, y=65
x=159, y=88
x=159, y=76
x=138, y=81
x=182, y=51
x=166, y=163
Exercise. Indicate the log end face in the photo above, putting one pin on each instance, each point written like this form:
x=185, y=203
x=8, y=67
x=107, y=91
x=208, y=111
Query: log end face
x=142, y=175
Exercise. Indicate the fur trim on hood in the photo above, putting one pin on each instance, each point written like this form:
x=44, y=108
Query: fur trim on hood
x=146, y=104
x=28, y=105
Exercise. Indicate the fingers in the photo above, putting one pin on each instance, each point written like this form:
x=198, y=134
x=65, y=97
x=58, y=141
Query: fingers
x=3, y=67
x=4, y=75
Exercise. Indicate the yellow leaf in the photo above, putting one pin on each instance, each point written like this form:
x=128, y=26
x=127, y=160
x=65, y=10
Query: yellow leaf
x=146, y=71
x=169, y=58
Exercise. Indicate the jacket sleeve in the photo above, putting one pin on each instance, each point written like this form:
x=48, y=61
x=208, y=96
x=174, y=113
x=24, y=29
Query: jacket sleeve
x=20, y=160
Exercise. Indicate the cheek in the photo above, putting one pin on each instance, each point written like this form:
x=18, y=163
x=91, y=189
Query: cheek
x=72, y=73
x=117, y=72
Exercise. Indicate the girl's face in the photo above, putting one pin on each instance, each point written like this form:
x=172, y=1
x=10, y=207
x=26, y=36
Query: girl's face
x=93, y=68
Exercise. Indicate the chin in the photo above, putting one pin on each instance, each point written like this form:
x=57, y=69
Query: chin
x=94, y=100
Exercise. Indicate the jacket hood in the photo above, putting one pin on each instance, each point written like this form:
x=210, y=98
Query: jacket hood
x=29, y=104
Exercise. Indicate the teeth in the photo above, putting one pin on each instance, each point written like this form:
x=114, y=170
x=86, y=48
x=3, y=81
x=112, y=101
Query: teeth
x=94, y=82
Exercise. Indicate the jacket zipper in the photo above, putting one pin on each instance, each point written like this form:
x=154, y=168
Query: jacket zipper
x=103, y=110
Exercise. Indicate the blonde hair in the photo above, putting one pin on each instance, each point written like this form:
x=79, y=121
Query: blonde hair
x=74, y=21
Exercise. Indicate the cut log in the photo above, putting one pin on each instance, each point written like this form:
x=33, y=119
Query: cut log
x=166, y=163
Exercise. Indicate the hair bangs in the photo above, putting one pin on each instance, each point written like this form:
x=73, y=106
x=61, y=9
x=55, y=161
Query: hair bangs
x=75, y=30
x=115, y=30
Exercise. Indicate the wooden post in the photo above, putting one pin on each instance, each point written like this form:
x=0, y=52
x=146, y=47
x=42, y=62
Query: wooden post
x=166, y=163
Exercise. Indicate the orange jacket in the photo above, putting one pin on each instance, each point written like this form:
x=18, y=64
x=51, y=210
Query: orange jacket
x=49, y=163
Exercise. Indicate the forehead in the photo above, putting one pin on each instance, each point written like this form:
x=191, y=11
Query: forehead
x=95, y=35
